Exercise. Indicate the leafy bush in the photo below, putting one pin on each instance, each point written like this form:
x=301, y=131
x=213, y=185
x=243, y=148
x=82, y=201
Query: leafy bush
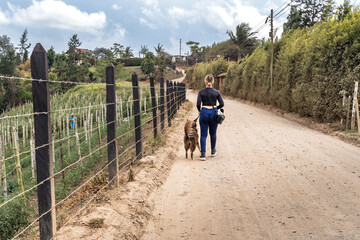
x=196, y=74
x=130, y=62
x=13, y=216
x=148, y=65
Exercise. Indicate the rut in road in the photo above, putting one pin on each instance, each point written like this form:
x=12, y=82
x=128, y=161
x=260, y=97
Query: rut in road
x=271, y=179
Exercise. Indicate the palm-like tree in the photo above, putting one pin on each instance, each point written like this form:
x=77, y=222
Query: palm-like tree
x=144, y=49
x=159, y=49
x=118, y=50
x=128, y=53
x=243, y=39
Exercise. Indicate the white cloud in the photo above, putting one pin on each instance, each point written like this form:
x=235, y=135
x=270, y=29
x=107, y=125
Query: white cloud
x=55, y=14
x=3, y=18
x=119, y=31
x=220, y=15
x=147, y=23
x=116, y=7
x=178, y=13
x=106, y=38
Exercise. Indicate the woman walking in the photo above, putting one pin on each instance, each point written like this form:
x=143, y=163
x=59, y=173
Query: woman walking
x=207, y=97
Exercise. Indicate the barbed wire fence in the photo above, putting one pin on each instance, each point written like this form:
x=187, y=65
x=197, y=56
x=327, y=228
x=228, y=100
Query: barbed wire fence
x=59, y=161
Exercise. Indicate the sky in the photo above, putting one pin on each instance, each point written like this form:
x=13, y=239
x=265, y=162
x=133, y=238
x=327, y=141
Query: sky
x=135, y=22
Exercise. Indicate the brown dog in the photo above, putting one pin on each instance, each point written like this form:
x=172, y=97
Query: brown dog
x=191, y=138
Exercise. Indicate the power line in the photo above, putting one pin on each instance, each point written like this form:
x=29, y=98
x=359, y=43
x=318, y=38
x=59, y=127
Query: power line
x=281, y=10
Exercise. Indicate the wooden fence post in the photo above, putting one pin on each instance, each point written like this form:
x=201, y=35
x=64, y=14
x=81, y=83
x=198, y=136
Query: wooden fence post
x=111, y=126
x=162, y=107
x=354, y=106
x=42, y=125
x=137, y=117
x=184, y=93
x=178, y=95
x=172, y=99
x=153, y=105
x=348, y=113
x=168, y=102
x=3, y=169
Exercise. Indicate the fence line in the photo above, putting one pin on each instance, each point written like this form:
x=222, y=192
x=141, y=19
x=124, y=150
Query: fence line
x=71, y=136
x=62, y=82
x=175, y=95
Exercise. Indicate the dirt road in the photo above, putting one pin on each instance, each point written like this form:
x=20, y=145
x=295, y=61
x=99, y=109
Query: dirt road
x=271, y=179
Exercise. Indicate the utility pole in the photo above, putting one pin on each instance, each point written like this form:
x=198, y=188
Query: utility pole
x=272, y=47
x=180, y=47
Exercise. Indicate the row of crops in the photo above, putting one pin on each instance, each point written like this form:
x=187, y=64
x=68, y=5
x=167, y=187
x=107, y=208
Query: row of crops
x=17, y=148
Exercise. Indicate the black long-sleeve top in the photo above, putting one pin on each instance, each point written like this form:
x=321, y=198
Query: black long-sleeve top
x=205, y=94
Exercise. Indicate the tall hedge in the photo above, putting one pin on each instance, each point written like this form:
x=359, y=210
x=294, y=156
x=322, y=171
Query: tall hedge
x=313, y=67
x=195, y=75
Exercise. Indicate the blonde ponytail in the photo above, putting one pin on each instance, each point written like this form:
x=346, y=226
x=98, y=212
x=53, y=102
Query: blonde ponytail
x=209, y=80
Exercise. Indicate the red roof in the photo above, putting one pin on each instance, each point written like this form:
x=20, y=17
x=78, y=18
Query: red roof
x=82, y=50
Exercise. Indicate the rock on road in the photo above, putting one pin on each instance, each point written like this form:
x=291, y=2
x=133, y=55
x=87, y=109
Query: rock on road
x=271, y=179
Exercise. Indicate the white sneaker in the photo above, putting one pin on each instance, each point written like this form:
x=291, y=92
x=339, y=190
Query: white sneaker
x=202, y=157
x=213, y=153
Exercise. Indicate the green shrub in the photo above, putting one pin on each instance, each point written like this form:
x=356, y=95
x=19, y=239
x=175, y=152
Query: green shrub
x=196, y=74
x=13, y=216
x=129, y=62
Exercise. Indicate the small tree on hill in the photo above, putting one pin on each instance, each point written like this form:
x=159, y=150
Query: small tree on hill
x=23, y=46
x=148, y=64
x=117, y=50
x=51, y=57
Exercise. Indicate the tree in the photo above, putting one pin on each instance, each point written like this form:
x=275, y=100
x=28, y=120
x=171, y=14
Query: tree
x=75, y=71
x=194, y=47
x=243, y=39
x=227, y=49
x=148, y=64
x=103, y=53
x=328, y=9
x=23, y=46
x=51, y=57
x=305, y=13
x=73, y=44
x=159, y=49
x=128, y=52
x=5, y=45
x=144, y=49
x=311, y=12
x=293, y=19
x=117, y=50
x=160, y=60
x=344, y=10
x=9, y=89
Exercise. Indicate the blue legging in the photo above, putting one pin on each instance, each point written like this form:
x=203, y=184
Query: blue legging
x=207, y=121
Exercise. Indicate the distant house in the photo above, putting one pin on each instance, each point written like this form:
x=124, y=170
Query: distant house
x=81, y=51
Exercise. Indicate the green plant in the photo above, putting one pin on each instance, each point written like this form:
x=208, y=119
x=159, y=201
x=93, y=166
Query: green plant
x=13, y=216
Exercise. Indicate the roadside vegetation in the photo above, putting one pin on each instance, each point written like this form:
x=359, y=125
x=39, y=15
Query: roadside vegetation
x=315, y=67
